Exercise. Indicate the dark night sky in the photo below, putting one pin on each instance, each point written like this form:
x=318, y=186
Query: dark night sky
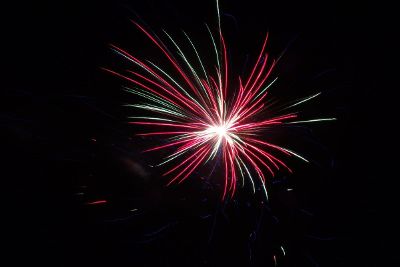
x=68, y=143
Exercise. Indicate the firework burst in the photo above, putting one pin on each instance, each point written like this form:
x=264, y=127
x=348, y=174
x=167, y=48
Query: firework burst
x=205, y=118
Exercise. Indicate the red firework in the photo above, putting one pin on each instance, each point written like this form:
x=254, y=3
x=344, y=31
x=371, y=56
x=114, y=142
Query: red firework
x=203, y=116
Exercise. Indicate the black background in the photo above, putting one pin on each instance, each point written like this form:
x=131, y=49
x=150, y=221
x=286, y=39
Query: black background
x=67, y=142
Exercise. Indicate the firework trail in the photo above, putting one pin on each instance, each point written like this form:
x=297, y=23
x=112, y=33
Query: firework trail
x=205, y=118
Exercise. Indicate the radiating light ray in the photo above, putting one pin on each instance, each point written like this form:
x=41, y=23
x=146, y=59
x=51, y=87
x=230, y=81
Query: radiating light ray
x=313, y=120
x=302, y=101
x=205, y=115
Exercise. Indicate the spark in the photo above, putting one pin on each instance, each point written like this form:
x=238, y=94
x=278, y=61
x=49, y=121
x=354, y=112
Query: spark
x=207, y=113
x=283, y=251
x=97, y=202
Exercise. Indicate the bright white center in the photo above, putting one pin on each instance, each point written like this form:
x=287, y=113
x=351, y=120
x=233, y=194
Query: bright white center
x=221, y=131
